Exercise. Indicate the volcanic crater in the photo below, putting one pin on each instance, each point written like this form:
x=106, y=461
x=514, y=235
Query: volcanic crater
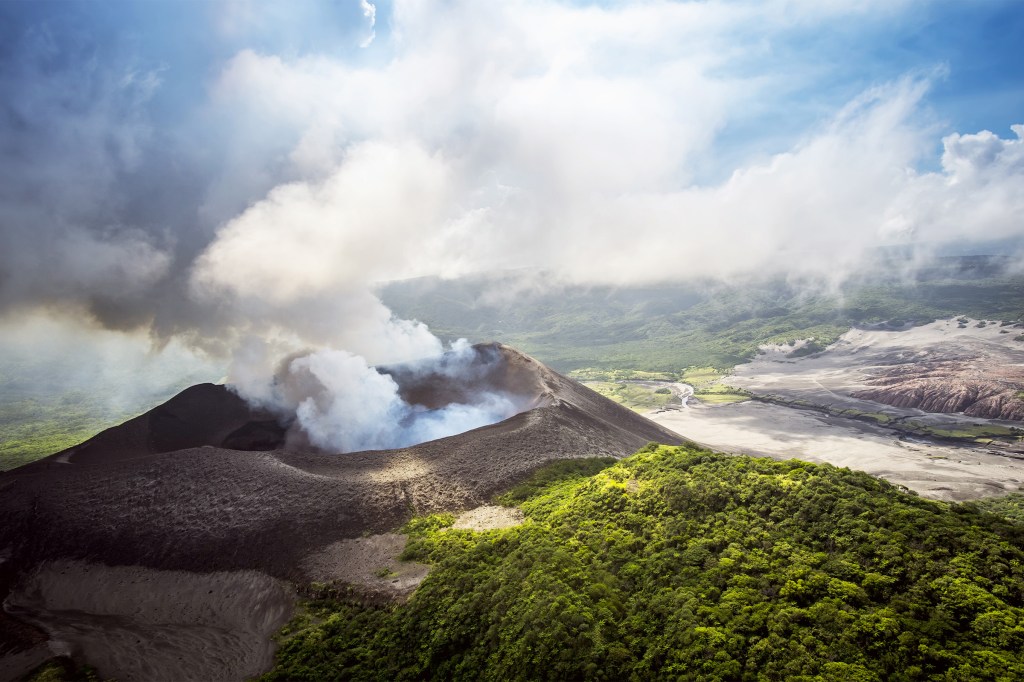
x=205, y=483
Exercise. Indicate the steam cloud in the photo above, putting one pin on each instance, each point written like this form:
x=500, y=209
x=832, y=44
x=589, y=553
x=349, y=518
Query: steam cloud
x=243, y=197
x=341, y=404
x=280, y=175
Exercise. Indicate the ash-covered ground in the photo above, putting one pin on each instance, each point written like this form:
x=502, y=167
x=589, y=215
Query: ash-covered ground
x=209, y=484
x=903, y=405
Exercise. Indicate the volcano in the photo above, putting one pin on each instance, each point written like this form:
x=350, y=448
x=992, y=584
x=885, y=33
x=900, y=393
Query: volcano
x=205, y=483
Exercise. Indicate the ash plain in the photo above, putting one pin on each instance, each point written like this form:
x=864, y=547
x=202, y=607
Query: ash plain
x=812, y=408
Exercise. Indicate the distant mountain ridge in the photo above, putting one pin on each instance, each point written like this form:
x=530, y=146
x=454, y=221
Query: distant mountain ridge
x=666, y=327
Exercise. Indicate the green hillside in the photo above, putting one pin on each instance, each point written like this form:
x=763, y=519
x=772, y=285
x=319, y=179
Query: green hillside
x=669, y=327
x=679, y=563
x=32, y=428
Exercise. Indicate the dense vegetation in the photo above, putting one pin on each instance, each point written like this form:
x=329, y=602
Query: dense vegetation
x=639, y=397
x=1008, y=506
x=31, y=428
x=645, y=391
x=685, y=564
x=669, y=327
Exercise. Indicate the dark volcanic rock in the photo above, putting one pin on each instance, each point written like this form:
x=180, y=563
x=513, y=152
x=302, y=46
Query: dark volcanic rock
x=204, y=414
x=165, y=491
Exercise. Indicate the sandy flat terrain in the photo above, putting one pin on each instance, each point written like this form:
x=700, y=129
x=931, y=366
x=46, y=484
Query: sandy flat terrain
x=937, y=471
x=370, y=562
x=853, y=365
x=940, y=470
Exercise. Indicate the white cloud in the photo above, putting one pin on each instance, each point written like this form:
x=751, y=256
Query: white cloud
x=532, y=133
x=370, y=12
x=570, y=138
x=309, y=239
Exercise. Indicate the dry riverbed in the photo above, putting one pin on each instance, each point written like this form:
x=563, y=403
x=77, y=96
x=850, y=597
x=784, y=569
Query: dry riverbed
x=933, y=468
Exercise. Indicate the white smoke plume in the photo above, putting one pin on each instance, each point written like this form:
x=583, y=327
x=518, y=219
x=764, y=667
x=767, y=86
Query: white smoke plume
x=245, y=199
x=337, y=402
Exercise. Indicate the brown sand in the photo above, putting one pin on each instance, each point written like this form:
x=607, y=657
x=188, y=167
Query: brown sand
x=489, y=517
x=135, y=623
x=370, y=562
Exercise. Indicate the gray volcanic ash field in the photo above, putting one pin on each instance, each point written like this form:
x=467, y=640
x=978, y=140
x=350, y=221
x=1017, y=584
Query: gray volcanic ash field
x=204, y=485
x=935, y=408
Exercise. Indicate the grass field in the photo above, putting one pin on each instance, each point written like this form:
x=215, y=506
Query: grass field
x=33, y=427
x=982, y=433
x=622, y=387
x=637, y=397
x=721, y=395
x=708, y=386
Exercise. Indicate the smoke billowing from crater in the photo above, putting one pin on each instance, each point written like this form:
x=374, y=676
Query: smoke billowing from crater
x=294, y=162
x=335, y=401
x=258, y=187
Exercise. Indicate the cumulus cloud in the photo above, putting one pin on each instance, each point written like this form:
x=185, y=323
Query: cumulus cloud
x=604, y=196
x=308, y=239
x=370, y=12
x=262, y=195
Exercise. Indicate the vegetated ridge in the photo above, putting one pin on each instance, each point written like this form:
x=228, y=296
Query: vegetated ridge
x=672, y=326
x=679, y=563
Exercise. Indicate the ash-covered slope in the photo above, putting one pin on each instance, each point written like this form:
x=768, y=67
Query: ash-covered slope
x=126, y=497
x=972, y=385
x=204, y=414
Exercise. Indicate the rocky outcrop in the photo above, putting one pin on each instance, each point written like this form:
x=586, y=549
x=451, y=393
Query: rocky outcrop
x=954, y=386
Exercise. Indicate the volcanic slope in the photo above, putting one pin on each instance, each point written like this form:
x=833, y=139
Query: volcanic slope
x=202, y=483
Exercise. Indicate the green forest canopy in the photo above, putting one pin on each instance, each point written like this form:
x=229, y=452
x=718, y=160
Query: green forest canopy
x=680, y=563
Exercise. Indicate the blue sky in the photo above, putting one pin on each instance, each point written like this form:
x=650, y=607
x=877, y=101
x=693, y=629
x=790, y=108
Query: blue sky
x=202, y=169
x=973, y=45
